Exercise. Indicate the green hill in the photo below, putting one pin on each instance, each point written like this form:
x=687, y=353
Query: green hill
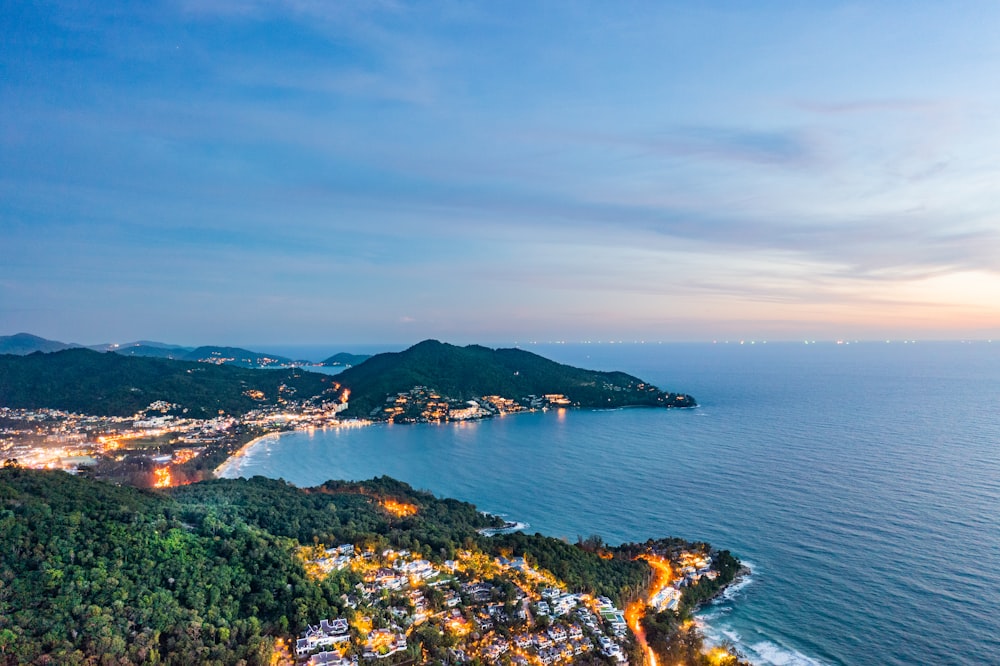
x=223, y=572
x=465, y=373
x=243, y=358
x=26, y=343
x=206, y=574
x=92, y=573
x=151, y=351
x=345, y=359
x=85, y=381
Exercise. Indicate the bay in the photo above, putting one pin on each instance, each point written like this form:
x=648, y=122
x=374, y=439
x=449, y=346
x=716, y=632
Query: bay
x=861, y=481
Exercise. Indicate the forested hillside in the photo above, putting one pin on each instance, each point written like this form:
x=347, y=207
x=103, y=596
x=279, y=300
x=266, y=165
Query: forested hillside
x=474, y=371
x=109, y=384
x=208, y=573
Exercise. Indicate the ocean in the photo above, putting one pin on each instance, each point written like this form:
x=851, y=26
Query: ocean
x=861, y=482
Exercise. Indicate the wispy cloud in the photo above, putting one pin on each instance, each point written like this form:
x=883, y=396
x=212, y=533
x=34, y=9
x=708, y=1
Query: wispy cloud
x=561, y=162
x=790, y=148
x=874, y=106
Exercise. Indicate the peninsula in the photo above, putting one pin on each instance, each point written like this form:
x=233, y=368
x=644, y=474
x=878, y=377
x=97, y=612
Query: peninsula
x=148, y=421
x=435, y=381
x=372, y=573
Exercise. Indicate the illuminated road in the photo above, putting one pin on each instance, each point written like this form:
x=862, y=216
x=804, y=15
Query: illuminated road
x=636, y=610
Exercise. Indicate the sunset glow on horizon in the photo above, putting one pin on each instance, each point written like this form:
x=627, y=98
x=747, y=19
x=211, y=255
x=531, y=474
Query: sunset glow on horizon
x=308, y=172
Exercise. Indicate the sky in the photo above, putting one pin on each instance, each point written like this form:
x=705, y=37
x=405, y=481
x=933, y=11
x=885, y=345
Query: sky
x=312, y=172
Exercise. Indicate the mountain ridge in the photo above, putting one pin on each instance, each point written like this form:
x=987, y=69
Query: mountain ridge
x=475, y=371
x=110, y=384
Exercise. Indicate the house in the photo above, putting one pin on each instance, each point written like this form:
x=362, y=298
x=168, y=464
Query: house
x=329, y=632
x=329, y=659
x=563, y=604
x=458, y=656
x=384, y=643
x=338, y=626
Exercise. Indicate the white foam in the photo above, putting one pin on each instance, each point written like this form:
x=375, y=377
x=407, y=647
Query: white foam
x=732, y=636
x=734, y=589
x=766, y=652
x=233, y=467
x=762, y=652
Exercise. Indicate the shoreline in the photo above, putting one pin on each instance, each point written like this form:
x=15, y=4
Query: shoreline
x=233, y=458
x=509, y=527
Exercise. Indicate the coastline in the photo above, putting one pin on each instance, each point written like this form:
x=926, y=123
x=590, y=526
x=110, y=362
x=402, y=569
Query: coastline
x=221, y=471
x=714, y=637
x=224, y=468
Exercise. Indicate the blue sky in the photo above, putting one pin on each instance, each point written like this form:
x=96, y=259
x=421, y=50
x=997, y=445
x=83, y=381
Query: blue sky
x=306, y=172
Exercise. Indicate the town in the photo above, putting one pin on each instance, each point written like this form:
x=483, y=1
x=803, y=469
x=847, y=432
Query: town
x=423, y=405
x=162, y=446
x=495, y=610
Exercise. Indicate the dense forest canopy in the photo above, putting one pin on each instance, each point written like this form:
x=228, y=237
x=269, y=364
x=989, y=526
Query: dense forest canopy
x=207, y=573
x=474, y=371
x=109, y=384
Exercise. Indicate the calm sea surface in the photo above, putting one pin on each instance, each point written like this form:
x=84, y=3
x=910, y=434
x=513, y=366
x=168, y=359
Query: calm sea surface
x=861, y=482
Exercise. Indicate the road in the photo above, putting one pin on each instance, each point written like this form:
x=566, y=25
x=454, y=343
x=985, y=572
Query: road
x=637, y=609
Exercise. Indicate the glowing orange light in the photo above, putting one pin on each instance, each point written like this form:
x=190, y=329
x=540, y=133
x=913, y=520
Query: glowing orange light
x=161, y=477
x=398, y=509
x=182, y=456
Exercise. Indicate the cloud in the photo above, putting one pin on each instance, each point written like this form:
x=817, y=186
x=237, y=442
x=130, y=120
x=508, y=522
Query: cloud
x=873, y=106
x=787, y=148
x=792, y=148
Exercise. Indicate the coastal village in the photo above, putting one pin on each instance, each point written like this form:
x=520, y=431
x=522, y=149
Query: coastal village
x=423, y=405
x=156, y=442
x=162, y=443
x=475, y=609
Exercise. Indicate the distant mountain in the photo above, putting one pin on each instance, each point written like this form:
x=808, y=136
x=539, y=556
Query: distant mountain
x=243, y=358
x=465, y=373
x=151, y=351
x=89, y=382
x=26, y=343
x=143, y=348
x=345, y=359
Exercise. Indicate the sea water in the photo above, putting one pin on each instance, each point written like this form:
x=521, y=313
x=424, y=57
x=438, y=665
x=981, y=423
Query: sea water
x=860, y=481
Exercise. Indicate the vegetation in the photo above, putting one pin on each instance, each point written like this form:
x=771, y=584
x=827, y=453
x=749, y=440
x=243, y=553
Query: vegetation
x=342, y=512
x=671, y=634
x=117, y=384
x=618, y=578
x=208, y=573
x=727, y=566
x=205, y=574
x=243, y=358
x=127, y=576
x=343, y=358
x=471, y=372
x=26, y=343
x=89, y=382
x=151, y=351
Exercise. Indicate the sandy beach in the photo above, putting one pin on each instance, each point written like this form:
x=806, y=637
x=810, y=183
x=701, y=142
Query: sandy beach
x=232, y=461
